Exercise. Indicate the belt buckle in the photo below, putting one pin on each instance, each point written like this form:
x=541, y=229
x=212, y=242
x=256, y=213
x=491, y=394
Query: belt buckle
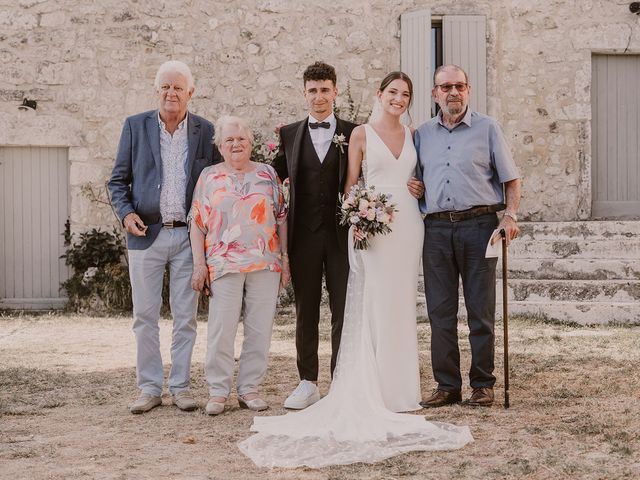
x=167, y=224
x=452, y=219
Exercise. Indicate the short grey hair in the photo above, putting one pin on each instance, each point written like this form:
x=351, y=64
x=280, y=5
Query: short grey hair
x=450, y=66
x=230, y=120
x=174, y=66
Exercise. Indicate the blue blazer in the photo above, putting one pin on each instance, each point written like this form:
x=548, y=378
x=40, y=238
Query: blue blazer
x=136, y=179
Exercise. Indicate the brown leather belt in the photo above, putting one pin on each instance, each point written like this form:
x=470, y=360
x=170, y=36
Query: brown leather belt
x=173, y=224
x=472, y=212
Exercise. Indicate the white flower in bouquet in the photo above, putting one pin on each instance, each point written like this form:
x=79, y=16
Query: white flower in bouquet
x=371, y=214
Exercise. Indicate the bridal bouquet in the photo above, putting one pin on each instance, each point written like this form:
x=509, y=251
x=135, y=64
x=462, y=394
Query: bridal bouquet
x=370, y=212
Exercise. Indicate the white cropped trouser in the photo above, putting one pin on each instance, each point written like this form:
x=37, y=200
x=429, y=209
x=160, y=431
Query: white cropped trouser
x=252, y=295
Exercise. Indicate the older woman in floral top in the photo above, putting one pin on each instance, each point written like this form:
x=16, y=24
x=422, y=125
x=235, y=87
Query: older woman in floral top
x=238, y=238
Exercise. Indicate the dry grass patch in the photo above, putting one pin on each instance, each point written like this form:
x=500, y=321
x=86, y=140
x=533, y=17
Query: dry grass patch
x=63, y=409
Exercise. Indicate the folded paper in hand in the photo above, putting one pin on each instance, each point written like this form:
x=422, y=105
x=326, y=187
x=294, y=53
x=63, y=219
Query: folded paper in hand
x=494, y=247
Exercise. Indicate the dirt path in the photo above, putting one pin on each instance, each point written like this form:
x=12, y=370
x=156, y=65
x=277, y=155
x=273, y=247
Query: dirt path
x=65, y=383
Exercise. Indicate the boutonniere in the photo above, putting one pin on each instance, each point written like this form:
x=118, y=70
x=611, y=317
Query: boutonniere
x=340, y=141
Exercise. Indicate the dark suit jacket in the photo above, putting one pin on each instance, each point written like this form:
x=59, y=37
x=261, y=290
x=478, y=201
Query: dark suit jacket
x=287, y=161
x=136, y=178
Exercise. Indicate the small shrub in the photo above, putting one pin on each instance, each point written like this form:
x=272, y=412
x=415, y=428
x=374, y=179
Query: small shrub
x=100, y=275
x=100, y=281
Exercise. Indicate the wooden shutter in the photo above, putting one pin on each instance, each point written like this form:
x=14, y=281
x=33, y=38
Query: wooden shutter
x=34, y=205
x=415, y=61
x=464, y=43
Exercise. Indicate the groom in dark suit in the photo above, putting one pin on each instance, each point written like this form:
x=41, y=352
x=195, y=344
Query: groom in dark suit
x=313, y=155
x=160, y=156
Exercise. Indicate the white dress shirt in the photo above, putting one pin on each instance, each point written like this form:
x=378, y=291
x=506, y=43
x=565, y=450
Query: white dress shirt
x=322, y=137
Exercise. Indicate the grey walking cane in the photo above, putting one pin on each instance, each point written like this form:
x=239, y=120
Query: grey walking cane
x=505, y=318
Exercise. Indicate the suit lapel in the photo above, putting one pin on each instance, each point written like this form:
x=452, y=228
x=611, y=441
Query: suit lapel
x=342, y=157
x=297, y=147
x=193, y=135
x=153, y=134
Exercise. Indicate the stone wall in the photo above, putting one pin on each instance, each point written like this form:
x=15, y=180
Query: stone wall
x=91, y=64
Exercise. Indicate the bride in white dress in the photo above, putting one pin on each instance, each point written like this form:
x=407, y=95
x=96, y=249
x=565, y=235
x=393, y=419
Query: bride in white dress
x=377, y=374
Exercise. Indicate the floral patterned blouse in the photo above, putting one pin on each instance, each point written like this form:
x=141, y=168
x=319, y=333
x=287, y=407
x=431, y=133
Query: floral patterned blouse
x=239, y=219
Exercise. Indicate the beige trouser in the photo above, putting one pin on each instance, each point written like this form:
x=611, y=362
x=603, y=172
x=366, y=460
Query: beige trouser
x=254, y=295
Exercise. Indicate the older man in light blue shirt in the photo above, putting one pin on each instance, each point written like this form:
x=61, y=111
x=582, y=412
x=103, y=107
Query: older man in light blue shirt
x=469, y=175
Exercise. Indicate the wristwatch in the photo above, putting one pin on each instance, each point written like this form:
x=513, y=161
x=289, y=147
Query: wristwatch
x=512, y=215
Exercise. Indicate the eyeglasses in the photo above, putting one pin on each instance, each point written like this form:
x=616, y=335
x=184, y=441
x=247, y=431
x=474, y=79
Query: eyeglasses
x=447, y=87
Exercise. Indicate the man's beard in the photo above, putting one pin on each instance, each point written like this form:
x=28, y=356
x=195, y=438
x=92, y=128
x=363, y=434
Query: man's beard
x=454, y=108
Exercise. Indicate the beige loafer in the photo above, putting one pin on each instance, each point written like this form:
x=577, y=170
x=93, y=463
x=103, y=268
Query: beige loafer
x=144, y=403
x=184, y=401
x=213, y=407
x=257, y=404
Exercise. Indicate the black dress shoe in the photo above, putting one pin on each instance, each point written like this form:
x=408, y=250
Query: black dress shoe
x=440, y=398
x=481, y=397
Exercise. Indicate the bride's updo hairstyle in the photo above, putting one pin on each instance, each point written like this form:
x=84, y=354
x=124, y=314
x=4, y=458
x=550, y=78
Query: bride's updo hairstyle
x=397, y=75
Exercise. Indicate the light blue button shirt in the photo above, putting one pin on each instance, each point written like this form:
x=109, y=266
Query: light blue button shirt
x=463, y=167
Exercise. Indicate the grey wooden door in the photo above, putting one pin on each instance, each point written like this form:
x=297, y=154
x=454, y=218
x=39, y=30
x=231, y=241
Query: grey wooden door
x=615, y=123
x=34, y=205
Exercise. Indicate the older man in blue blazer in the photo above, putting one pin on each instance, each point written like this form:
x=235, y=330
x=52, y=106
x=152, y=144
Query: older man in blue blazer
x=160, y=157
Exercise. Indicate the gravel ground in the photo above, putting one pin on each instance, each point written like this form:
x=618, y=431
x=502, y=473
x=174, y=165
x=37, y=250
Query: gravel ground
x=66, y=381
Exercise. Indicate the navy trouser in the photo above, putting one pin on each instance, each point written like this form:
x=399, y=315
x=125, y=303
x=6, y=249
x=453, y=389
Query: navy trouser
x=454, y=250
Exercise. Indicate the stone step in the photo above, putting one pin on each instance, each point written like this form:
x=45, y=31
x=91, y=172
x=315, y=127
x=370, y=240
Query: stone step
x=620, y=248
x=549, y=291
x=572, y=269
x=582, y=313
x=582, y=230
x=585, y=272
x=572, y=290
x=569, y=312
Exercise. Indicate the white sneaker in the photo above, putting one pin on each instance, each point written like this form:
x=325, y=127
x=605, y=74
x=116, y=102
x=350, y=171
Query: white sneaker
x=305, y=394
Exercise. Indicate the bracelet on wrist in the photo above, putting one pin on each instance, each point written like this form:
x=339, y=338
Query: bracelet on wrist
x=510, y=214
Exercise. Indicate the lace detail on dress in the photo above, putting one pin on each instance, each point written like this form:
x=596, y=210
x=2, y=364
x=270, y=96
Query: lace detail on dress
x=363, y=177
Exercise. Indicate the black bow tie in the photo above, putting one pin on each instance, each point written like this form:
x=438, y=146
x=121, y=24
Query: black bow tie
x=314, y=125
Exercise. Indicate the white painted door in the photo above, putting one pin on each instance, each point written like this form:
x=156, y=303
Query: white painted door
x=34, y=206
x=615, y=148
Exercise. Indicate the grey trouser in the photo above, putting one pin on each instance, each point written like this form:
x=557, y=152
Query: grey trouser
x=254, y=295
x=146, y=269
x=454, y=250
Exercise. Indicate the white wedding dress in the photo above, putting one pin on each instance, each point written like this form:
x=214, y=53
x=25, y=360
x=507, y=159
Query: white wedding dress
x=377, y=373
